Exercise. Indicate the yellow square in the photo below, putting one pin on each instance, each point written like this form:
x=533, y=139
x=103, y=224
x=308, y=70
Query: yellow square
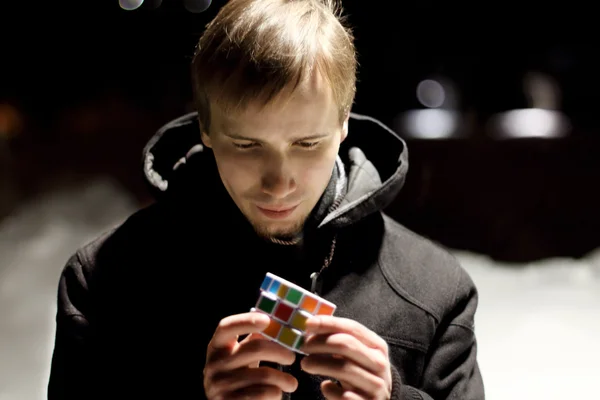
x=288, y=336
x=282, y=291
x=299, y=320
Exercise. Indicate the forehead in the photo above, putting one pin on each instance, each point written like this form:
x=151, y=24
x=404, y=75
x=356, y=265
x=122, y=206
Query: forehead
x=307, y=110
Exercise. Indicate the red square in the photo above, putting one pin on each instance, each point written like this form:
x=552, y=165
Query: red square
x=283, y=312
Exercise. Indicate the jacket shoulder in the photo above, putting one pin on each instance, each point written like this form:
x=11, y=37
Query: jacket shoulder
x=423, y=272
x=130, y=234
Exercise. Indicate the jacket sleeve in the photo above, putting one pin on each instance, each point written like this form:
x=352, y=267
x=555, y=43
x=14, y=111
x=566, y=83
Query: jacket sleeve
x=72, y=358
x=451, y=370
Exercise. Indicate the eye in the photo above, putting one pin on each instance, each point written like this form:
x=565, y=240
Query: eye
x=245, y=145
x=308, y=145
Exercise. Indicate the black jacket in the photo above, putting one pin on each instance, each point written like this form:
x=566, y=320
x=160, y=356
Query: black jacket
x=138, y=306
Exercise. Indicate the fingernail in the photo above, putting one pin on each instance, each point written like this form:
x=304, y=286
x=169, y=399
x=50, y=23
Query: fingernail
x=312, y=323
x=260, y=318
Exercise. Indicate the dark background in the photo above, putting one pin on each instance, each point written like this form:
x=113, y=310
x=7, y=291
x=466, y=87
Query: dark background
x=84, y=84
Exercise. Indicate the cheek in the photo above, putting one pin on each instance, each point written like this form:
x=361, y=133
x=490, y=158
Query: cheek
x=238, y=173
x=314, y=171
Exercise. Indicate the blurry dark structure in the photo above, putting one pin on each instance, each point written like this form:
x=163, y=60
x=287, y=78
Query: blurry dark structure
x=90, y=82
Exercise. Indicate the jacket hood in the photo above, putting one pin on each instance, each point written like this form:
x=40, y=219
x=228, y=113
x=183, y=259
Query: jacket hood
x=374, y=156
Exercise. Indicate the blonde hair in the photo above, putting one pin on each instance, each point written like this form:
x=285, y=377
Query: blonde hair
x=253, y=50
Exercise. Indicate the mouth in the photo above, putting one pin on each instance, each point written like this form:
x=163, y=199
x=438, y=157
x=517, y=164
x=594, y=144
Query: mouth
x=277, y=212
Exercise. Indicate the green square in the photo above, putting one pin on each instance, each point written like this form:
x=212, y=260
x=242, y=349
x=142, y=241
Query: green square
x=294, y=296
x=265, y=304
x=299, y=343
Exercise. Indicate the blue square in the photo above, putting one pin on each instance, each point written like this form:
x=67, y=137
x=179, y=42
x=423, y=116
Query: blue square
x=266, y=282
x=274, y=287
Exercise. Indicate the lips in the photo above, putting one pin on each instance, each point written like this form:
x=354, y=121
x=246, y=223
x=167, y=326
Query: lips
x=279, y=212
x=276, y=209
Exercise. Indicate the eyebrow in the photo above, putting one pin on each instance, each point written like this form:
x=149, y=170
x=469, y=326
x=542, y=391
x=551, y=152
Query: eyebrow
x=299, y=139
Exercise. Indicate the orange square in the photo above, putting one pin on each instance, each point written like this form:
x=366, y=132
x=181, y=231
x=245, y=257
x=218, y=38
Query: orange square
x=309, y=304
x=325, y=309
x=273, y=329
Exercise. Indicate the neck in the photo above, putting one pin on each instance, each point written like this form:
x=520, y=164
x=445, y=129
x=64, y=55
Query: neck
x=329, y=201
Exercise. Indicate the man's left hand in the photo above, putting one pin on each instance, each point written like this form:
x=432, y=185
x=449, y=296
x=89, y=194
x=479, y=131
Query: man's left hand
x=350, y=353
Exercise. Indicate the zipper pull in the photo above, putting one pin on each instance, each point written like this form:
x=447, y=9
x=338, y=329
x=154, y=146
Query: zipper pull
x=313, y=285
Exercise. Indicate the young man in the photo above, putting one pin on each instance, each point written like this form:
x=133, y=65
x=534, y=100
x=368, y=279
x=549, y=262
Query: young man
x=272, y=174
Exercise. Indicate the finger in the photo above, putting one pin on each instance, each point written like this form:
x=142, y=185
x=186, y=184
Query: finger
x=254, y=351
x=250, y=337
x=349, y=374
x=231, y=327
x=350, y=347
x=257, y=392
x=332, y=391
x=246, y=377
x=331, y=324
x=253, y=336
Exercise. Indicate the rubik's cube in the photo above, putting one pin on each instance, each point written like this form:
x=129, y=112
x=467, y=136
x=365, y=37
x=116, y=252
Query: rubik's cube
x=289, y=306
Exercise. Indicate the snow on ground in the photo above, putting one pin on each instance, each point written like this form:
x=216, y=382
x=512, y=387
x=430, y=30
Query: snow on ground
x=538, y=324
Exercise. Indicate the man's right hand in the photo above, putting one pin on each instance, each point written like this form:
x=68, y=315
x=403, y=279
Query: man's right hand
x=232, y=368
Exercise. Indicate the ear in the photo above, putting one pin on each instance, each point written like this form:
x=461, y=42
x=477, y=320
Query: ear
x=345, y=127
x=206, y=140
x=205, y=137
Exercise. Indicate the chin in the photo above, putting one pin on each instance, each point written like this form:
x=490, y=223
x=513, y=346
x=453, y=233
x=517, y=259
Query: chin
x=278, y=233
x=285, y=231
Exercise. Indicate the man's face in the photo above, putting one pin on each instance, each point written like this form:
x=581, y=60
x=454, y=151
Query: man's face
x=276, y=162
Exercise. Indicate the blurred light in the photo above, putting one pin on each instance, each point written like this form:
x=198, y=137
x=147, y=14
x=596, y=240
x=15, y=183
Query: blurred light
x=542, y=91
x=530, y=123
x=431, y=93
x=152, y=4
x=196, y=6
x=428, y=124
x=11, y=121
x=130, y=5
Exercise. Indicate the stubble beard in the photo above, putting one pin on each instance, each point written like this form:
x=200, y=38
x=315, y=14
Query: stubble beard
x=286, y=233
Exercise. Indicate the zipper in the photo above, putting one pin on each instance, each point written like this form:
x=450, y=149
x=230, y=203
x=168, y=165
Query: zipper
x=314, y=277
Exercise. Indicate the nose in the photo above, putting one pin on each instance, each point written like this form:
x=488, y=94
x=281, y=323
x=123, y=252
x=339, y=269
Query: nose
x=278, y=180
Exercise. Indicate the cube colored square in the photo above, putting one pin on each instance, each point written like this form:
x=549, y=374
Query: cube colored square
x=299, y=320
x=282, y=292
x=273, y=329
x=309, y=304
x=283, y=312
x=289, y=306
x=274, y=288
x=266, y=282
x=294, y=296
x=288, y=336
x=266, y=302
x=299, y=343
x=325, y=309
